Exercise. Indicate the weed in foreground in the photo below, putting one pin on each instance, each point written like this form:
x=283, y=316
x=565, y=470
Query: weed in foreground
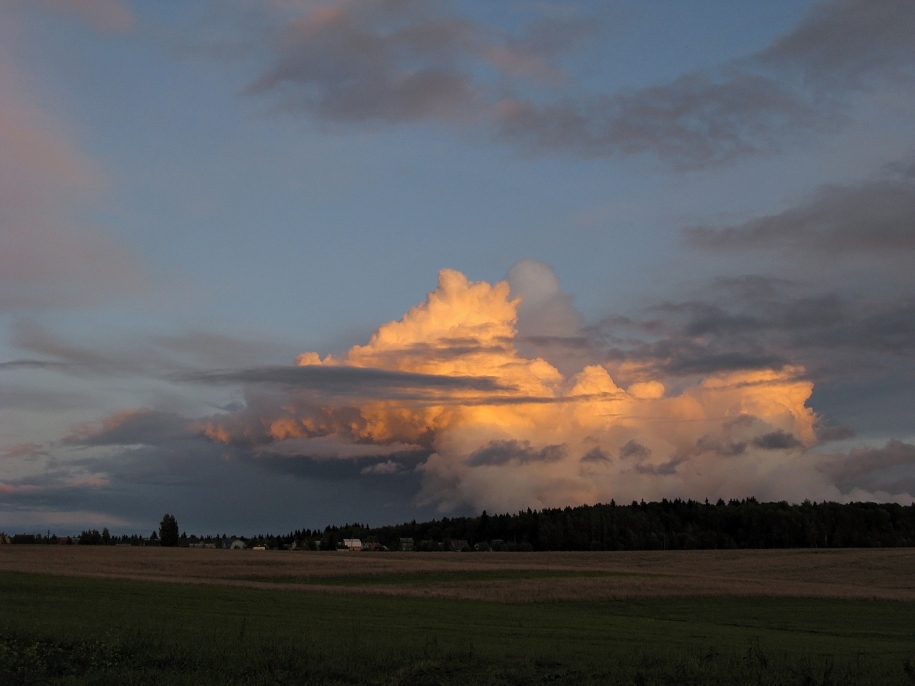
x=139, y=660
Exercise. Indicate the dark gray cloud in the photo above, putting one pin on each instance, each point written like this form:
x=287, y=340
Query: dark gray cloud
x=161, y=356
x=796, y=86
x=25, y=397
x=359, y=381
x=31, y=364
x=23, y=450
x=497, y=453
x=596, y=455
x=777, y=440
x=211, y=488
x=136, y=427
x=356, y=469
x=723, y=448
x=374, y=60
x=759, y=323
x=633, y=449
x=697, y=120
x=405, y=60
x=873, y=217
x=849, y=40
x=664, y=469
x=890, y=469
x=826, y=434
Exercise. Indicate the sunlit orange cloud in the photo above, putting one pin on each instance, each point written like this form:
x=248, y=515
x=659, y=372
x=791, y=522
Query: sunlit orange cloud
x=544, y=439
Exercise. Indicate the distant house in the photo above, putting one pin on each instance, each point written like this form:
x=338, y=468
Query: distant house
x=236, y=544
x=406, y=545
x=63, y=540
x=352, y=544
x=459, y=544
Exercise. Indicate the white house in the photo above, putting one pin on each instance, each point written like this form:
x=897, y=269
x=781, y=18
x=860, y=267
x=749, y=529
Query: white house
x=352, y=544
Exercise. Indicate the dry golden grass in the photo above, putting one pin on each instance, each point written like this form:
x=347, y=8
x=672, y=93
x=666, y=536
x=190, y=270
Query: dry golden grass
x=508, y=577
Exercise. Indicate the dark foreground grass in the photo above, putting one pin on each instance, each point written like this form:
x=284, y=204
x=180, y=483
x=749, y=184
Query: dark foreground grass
x=57, y=630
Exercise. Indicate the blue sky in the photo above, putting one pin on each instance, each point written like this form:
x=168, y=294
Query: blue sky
x=676, y=190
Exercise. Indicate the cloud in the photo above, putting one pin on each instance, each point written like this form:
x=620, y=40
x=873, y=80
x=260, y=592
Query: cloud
x=103, y=16
x=359, y=381
x=761, y=323
x=633, y=449
x=387, y=467
x=697, y=120
x=486, y=426
x=404, y=60
x=374, y=61
x=497, y=453
x=890, y=469
x=31, y=364
x=133, y=427
x=334, y=448
x=849, y=40
x=46, y=258
x=545, y=310
x=798, y=85
x=399, y=61
x=523, y=436
x=164, y=356
x=871, y=217
x=23, y=450
x=596, y=455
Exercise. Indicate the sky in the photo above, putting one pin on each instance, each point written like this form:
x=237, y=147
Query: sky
x=272, y=264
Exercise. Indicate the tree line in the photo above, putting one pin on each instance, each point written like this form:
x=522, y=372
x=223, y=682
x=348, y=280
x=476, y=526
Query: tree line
x=665, y=525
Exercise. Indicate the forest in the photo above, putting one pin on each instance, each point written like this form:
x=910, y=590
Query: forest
x=665, y=525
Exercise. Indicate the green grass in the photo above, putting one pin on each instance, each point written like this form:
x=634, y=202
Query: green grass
x=58, y=630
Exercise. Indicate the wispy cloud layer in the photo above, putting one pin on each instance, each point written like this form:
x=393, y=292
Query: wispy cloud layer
x=103, y=16
x=402, y=61
x=47, y=258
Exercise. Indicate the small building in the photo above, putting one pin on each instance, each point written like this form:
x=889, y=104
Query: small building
x=459, y=544
x=406, y=545
x=259, y=547
x=352, y=544
x=236, y=544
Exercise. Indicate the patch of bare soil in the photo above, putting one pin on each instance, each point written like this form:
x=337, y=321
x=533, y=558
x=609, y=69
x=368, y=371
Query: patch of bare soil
x=515, y=577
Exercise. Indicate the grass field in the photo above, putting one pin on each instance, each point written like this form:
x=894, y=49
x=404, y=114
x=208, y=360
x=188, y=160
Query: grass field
x=69, y=629
x=887, y=574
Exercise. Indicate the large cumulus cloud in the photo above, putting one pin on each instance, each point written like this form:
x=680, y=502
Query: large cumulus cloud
x=531, y=435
